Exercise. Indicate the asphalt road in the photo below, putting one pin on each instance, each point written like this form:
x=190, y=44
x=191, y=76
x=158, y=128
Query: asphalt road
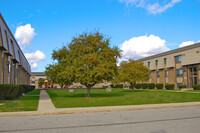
x=170, y=120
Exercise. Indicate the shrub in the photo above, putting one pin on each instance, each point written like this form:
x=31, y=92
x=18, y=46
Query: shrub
x=27, y=88
x=159, y=86
x=182, y=86
x=144, y=85
x=151, y=86
x=196, y=87
x=9, y=91
x=138, y=86
x=117, y=86
x=169, y=86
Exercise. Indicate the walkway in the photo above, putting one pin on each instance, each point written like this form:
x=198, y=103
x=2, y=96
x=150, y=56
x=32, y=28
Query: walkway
x=45, y=104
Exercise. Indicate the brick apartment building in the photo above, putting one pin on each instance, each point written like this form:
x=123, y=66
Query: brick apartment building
x=37, y=76
x=14, y=67
x=179, y=66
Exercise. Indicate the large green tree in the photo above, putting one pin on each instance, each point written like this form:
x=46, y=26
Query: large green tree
x=88, y=59
x=132, y=71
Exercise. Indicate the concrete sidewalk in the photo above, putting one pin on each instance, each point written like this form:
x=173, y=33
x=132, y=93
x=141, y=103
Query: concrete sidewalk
x=46, y=107
x=45, y=103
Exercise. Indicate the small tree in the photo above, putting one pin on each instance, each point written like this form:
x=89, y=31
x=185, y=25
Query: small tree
x=132, y=71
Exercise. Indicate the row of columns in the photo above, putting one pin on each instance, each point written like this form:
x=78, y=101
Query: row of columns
x=11, y=72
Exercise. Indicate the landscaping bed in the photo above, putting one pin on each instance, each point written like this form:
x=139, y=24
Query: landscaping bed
x=118, y=97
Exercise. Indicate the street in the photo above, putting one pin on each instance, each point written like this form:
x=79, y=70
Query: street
x=167, y=120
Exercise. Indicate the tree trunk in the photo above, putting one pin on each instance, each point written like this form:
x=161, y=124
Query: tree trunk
x=88, y=91
x=132, y=86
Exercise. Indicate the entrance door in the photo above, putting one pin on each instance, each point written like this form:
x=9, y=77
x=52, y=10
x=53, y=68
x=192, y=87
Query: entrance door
x=193, y=76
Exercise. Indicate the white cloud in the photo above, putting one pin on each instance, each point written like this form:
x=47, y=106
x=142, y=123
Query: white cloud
x=183, y=44
x=34, y=58
x=24, y=35
x=143, y=46
x=151, y=7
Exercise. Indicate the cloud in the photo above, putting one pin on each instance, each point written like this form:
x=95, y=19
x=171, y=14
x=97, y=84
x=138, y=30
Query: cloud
x=183, y=44
x=34, y=58
x=151, y=7
x=142, y=46
x=24, y=35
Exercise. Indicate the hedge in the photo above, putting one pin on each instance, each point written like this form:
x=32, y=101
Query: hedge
x=116, y=86
x=159, y=86
x=8, y=92
x=196, y=87
x=144, y=85
x=182, y=86
x=169, y=86
x=138, y=86
x=151, y=86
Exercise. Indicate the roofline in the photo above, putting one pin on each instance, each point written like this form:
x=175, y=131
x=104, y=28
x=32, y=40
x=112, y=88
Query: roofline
x=13, y=37
x=172, y=51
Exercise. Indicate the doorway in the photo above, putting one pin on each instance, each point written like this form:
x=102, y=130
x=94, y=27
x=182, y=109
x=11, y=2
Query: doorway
x=193, y=76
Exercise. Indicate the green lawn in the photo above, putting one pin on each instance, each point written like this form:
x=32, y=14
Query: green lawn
x=29, y=102
x=99, y=97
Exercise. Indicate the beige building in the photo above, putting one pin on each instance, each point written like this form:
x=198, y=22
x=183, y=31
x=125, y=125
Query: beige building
x=37, y=76
x=179, y=66
x=14, y=67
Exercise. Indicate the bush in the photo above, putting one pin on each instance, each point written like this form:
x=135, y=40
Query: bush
x=182, y=86
x=27, y=88
x=196, y=87
x=116, y=86
x=144, y=85
x=138, y=86
x=159, y=86
x=169, y=86
x=151, y=86
x=8, y=92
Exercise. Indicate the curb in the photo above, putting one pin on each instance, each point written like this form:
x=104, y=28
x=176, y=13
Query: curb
x=99, y=109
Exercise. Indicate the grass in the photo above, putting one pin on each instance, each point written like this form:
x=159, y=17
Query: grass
x=29, y=102
x=99, y=97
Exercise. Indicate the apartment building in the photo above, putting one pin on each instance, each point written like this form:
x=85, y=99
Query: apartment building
x=37, y=76
x=14, y=67
x=179, y=66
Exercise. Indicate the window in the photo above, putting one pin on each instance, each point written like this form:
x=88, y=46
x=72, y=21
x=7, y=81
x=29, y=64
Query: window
x=165, y=61
x=32, y=82
x=148, y=64
x=179, y=72
x=150, y=75
x=156, y=62
x=178, y=58
x=158, y=74
x=166, y=73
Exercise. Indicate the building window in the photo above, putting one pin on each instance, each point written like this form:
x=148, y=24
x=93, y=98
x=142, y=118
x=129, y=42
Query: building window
x=158, y=74
x=150, y=75
x=32, y=82
x=156, y=62
x=178, y=58
x=148, y=64
x=165, y=61
x=179, y=72
x=0, y=37
x=166, y=73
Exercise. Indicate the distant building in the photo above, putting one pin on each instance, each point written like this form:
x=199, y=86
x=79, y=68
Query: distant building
x=14, y=67
x=37, y=76
x=179, y=66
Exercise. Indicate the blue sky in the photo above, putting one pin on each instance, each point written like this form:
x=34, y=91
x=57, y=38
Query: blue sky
x=139, y=27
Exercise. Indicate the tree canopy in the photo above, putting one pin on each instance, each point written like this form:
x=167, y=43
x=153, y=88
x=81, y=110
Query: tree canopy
x=132, y=71
x=87, y=59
